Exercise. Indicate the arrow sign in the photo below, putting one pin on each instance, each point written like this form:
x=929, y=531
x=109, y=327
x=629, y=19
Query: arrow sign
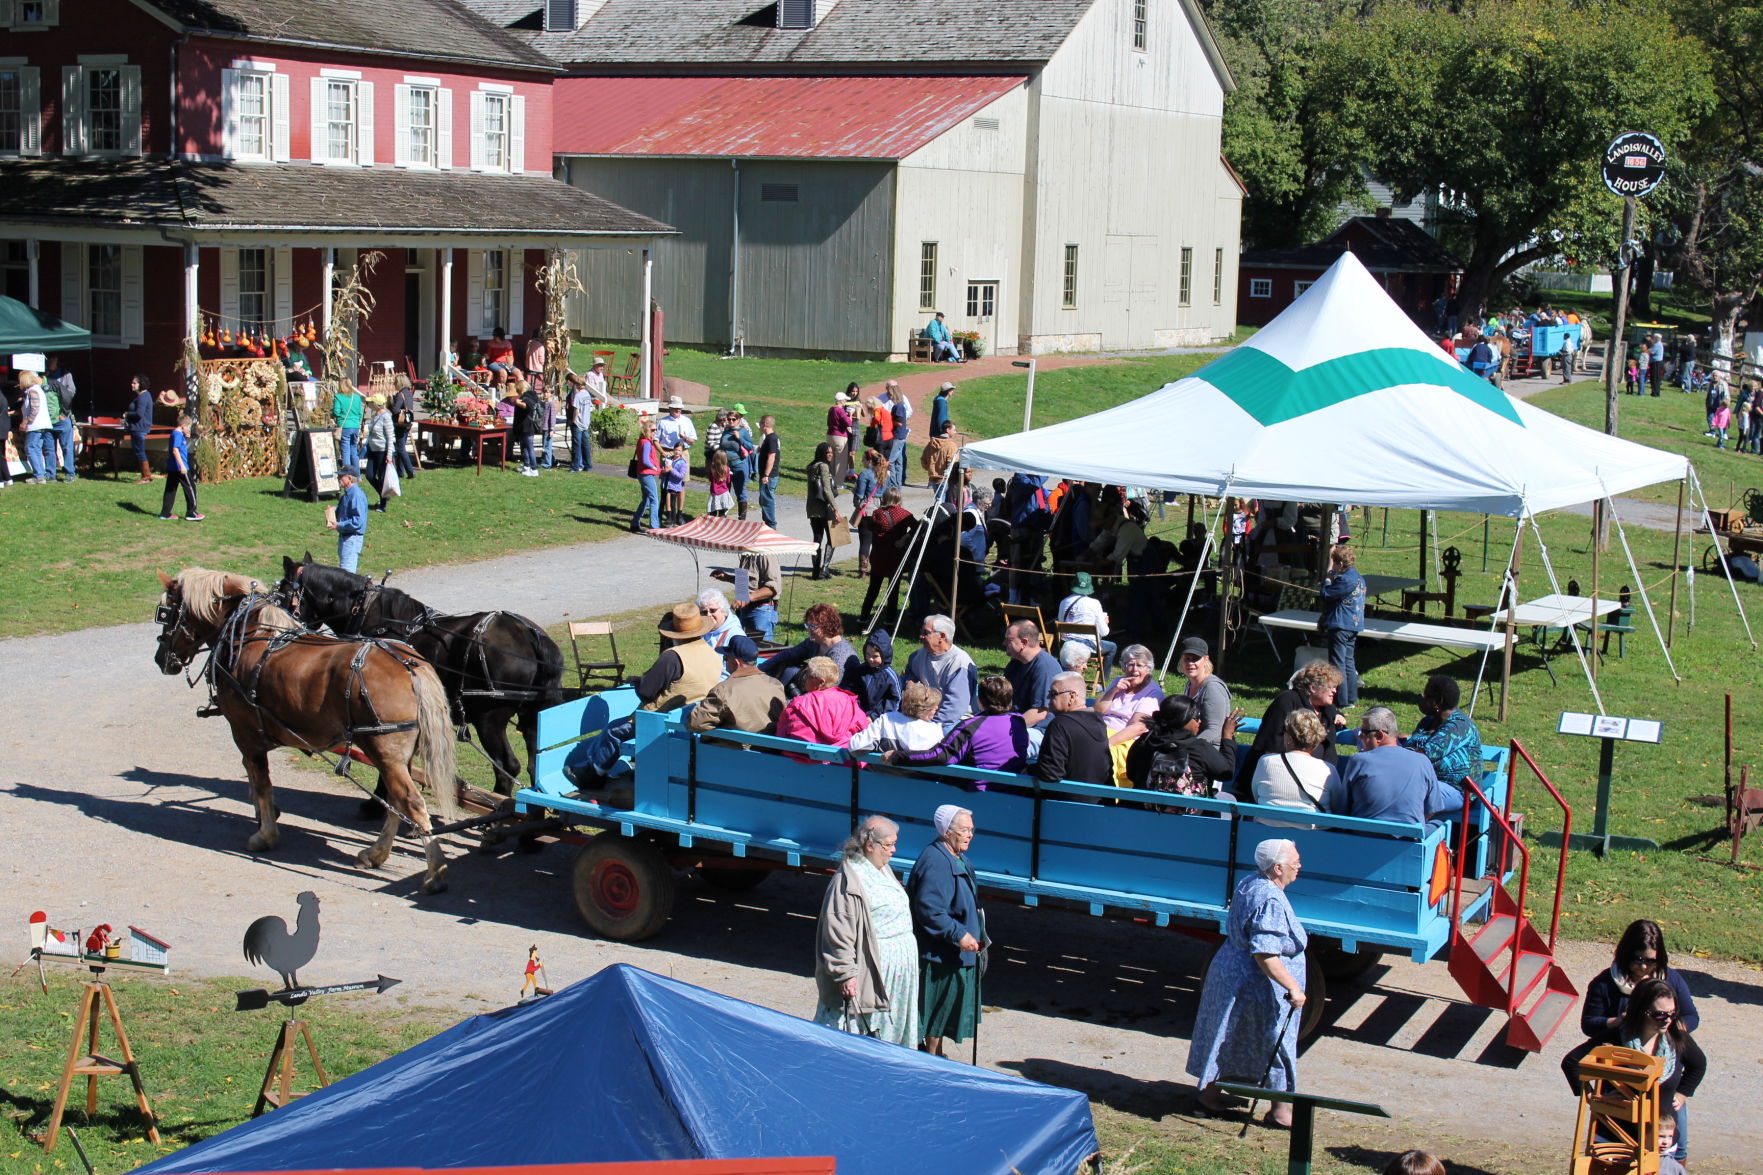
x=251, y=1001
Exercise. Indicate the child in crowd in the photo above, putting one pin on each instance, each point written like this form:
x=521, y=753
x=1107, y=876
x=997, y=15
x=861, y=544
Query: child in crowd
x=547, y=425
x=1631, y=374
x=722, y=485
x=506, y=407
x=675, y=502
x=874, y=680
x=180, y=472
x=1721, y=419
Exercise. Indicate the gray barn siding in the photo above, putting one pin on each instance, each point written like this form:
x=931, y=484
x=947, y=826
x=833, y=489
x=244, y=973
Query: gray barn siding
x=691, y=270
x=816, y=274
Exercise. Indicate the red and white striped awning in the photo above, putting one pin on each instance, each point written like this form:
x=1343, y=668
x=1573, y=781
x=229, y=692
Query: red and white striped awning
x=734, y=536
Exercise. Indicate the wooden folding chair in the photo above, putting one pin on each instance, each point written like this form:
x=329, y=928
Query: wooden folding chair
x=626, y=384
x=1064, y=630
x=590, y=670
x=1029, y=612
x=1617, y=1129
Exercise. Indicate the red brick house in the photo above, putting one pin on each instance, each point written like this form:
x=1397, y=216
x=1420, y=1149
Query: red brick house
x=171, y=166
x=1412, y=266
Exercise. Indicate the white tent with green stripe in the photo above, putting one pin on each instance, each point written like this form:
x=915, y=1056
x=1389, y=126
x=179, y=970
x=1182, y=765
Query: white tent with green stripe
x=1340, y=399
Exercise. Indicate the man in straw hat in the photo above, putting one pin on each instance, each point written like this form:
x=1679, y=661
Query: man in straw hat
x=686, y=670
x=675, y=430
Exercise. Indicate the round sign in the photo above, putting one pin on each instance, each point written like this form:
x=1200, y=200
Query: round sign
x=1634, y=163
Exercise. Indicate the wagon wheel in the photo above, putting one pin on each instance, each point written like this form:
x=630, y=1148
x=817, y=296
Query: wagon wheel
x=623, y=887
x=1344, y=966
x=1713, y=563
x=1315, y=989
x=1451, y=560
x=1754, y=505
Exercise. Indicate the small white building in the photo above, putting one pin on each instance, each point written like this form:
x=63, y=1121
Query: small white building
x=1045, y=172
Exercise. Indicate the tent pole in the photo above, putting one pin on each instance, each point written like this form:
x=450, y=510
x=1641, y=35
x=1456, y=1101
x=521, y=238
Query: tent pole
x=1193, y=583
x=1511, y=620
x=1227, y=566
x=1702, y=501
x=1486, y=522
x=1385, y=543
x=1504, y=601
x=1571, y=630
x=1597, y=535
x=1425, y=566
x=1676, y=562
x=1646, y=601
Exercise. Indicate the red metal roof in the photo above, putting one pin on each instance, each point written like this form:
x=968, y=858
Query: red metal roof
x=765, y=117
x=734, y=537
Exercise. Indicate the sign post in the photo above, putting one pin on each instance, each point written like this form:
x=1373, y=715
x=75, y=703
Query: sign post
x=1634, y=163
x=1611, y=730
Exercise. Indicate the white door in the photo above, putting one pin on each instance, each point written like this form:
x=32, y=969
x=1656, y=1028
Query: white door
x=982, y=313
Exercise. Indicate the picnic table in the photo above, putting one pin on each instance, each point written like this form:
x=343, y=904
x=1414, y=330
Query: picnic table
x=1383, y=585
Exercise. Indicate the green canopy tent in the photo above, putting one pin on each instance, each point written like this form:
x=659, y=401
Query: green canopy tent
x=25, y=329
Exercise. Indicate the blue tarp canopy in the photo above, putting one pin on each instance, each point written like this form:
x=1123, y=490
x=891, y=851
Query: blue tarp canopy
x=627, y=1066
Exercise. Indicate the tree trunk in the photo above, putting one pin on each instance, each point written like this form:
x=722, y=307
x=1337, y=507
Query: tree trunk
x=1728, y=305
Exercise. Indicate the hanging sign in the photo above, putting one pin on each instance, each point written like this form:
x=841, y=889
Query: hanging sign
x=1634, y=163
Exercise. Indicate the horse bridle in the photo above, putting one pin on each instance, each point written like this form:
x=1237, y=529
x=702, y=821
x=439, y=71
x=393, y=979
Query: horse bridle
x=170, y=618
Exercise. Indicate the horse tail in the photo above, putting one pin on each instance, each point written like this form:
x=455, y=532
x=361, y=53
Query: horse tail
x=434, y=741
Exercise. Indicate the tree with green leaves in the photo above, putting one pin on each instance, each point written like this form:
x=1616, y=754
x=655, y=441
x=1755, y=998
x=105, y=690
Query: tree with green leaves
x=1506, y=107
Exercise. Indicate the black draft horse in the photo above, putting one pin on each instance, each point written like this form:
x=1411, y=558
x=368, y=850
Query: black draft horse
x=494, y=665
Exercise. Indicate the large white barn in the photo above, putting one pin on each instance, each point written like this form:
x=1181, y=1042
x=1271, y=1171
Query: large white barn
x=1045, y=172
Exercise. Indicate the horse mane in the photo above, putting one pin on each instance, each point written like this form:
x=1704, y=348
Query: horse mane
x=207, y=594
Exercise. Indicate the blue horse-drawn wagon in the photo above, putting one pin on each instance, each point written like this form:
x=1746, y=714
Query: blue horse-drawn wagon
x=731, y=805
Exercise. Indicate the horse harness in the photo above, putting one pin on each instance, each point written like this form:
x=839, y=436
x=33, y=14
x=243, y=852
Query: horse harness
x=367, y=598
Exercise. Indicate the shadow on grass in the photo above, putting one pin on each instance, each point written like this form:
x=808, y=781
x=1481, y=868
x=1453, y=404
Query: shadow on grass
x=135, y=508
x=1375, y=1159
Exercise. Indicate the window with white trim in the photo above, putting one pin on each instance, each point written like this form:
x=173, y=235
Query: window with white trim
x=1068, y=286
x=21, y=111
x=422, y=112
x=927, y=275
x=254, y=112
x=1185, y=294
x=30, y=15
x=1260, y=287
x=1218, y=277
x=101, y=107
x=498, y=129
x=1298, y=288
x=342, y=118
x=1139, y=22
x=251, y=116
x=495, y=291
x=339, y=121
x=104, y=291
x=254, y=288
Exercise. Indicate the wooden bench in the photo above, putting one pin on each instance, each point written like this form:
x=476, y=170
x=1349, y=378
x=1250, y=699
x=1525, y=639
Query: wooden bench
x=919, y=349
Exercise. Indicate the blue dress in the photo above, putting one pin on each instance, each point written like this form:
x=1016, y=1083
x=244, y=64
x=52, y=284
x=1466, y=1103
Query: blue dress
x=1240, y=1008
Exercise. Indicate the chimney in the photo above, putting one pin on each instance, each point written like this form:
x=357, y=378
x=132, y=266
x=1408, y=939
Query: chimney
x=1383, y=211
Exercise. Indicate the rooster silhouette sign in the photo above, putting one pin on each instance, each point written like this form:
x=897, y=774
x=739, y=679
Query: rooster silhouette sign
x=269, y=942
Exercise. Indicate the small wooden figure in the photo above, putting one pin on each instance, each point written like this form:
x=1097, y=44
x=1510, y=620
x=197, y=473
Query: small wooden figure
x=535, y=972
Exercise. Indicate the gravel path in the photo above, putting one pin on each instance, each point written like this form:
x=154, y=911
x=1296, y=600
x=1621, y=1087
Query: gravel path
x=118, y=805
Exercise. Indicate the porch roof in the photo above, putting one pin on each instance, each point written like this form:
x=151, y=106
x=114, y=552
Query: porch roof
x=195, y=200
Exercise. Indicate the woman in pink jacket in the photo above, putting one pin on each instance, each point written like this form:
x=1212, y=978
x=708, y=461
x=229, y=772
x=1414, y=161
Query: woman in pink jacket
x=822, y=713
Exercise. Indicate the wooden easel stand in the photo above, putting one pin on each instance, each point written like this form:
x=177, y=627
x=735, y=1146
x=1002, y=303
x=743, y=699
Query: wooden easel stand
x=278, y=1080
x=91, y=1064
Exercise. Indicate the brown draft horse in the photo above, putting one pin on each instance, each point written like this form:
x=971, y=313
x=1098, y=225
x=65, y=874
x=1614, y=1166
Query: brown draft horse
x=281, y=686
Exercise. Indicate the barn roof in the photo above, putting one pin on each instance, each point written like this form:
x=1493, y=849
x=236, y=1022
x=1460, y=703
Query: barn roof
x=765, y=117
x=442, y=29
x=1384, y=244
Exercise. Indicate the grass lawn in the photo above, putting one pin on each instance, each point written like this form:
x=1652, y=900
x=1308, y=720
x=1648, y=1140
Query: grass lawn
x=202, y=1066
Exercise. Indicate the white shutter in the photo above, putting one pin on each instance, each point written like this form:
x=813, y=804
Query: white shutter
x=30, y=110
x=134, y=330
x=282, y=273
x=364, y=123
x=131, y=108
x=8, y=13
x=51, y=12
x=401, y=125
x=517, y=134
x=229, y=113
x=73, y=110
x=280, y=107
x=474, y=291
x=515, y=274
x=444, y=128
x=229, y=289
x=73, y=282
x=320, y=152
x=477, y=131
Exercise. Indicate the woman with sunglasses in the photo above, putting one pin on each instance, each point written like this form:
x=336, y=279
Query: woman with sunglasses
x=1650, y=1024
x=1640, y=955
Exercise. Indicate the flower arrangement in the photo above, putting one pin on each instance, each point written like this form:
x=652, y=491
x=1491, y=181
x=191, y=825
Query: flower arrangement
x=613, y=426
x=970, y=342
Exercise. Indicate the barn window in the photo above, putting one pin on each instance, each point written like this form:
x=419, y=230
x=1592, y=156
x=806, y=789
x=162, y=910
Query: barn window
x=927, y=276
x=1260, y=287
x=1138, y=23
x=780, y=193
x=1218, y=277
x=1187, y=275
x=1068, y=296
x=986, y=124
x=1298, y=288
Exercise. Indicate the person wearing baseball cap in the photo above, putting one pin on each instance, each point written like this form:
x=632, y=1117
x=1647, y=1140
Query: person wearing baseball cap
x=747, y=699
x=939, y=410
x=1209, y=692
